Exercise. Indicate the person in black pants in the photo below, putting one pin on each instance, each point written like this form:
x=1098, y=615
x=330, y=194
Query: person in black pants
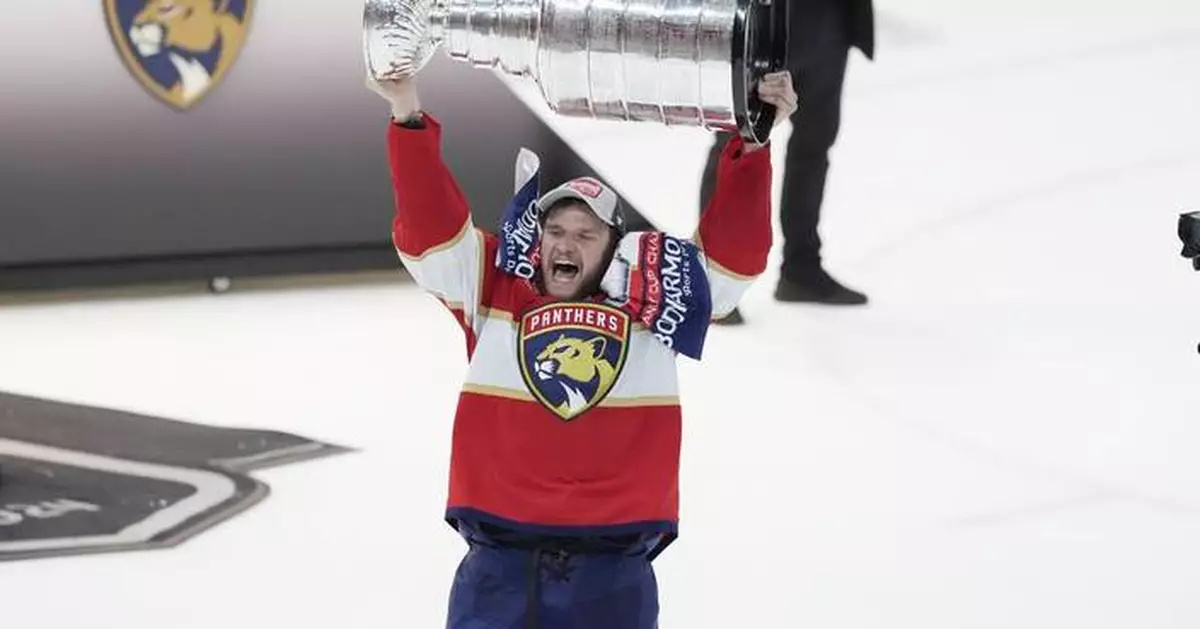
x=822, y=33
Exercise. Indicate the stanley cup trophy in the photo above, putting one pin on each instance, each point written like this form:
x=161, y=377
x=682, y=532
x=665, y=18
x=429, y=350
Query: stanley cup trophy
x=677, y=62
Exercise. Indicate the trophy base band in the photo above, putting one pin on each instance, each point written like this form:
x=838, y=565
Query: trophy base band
x=760, y=47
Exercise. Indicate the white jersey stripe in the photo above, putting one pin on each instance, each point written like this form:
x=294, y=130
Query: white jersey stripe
x=523, y=395
x=496, y=365
x=453, y=272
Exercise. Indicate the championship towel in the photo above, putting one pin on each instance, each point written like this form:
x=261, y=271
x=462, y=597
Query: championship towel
x=660, y=280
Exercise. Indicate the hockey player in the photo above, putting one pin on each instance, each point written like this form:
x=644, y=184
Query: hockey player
x=565, y=450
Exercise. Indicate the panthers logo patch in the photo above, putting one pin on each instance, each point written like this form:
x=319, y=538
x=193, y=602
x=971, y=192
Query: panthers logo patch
x=178, y=49
x=571, y=354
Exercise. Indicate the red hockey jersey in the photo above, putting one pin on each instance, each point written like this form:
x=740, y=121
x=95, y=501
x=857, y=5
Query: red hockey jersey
x=610, y=464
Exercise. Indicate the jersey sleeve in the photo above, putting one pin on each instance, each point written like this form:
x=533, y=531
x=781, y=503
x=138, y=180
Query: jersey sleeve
x=735, y=231
x=432, y=230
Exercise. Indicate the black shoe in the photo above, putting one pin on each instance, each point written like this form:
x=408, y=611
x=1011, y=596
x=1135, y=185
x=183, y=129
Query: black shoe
x=733, y=318
x=818, y=289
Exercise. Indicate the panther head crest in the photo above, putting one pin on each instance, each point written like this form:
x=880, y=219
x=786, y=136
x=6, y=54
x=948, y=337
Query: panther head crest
x=576, y=364
x=186, y=31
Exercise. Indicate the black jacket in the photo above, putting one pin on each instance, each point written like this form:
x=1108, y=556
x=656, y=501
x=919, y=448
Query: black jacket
x=856, y=17
x=861, y=22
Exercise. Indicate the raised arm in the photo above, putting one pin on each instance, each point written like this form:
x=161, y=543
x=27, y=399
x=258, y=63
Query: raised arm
x=735, y=229
x=432, y=229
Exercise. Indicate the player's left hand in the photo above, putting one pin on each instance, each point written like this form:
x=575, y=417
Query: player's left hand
x=776, y=89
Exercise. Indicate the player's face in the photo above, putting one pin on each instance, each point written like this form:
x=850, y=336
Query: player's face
x=574, y=244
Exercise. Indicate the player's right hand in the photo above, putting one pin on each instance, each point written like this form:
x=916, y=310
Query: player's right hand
x=400, y=94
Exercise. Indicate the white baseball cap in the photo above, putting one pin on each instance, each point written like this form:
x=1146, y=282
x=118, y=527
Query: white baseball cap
x=592, y=193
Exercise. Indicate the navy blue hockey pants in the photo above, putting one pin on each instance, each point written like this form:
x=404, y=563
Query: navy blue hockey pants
x=534, y=585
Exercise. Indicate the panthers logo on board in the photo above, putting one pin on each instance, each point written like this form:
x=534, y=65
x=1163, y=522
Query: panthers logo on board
x=572, y=353
x=179, y=49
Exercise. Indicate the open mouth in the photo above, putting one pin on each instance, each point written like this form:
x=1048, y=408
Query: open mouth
x=564, y=271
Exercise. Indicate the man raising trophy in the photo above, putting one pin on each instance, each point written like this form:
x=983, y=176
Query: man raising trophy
x=564, y=470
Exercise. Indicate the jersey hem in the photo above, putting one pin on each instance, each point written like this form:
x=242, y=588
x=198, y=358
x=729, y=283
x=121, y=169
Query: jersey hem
x=669, y=530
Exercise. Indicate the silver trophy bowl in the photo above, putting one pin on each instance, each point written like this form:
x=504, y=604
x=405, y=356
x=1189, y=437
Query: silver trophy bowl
x=677, y=62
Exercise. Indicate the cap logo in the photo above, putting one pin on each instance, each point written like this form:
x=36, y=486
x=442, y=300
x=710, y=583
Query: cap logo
x=587, y=187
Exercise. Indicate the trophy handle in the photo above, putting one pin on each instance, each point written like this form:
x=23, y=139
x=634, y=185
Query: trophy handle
x=762, y=25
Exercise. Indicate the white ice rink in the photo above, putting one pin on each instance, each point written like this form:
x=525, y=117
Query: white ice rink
x=1006, y=438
